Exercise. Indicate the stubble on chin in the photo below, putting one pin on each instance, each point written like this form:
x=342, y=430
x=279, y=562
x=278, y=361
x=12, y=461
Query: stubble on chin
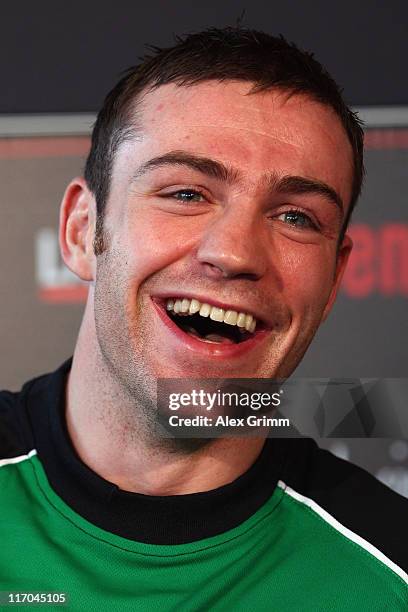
x=129, y=389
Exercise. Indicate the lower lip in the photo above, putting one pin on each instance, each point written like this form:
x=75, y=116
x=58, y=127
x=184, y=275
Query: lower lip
x=207, y=349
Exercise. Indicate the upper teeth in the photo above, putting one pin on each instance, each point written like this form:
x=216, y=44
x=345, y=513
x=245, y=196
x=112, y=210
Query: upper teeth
x=231, y=317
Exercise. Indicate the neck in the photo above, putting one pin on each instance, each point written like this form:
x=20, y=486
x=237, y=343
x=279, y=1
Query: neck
x=110, y=434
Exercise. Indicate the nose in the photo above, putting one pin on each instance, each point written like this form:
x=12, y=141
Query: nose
x=233, y=246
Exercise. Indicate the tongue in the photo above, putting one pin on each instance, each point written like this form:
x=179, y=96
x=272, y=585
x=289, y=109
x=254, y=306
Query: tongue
x=209, y=337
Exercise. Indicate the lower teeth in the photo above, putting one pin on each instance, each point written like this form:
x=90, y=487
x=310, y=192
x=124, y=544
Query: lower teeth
x=217, y=338
x=213, y=338
x=192, y=331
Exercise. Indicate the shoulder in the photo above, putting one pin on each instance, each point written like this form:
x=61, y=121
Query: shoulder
x=17, y=411
x=351, y=500
x=12, y=439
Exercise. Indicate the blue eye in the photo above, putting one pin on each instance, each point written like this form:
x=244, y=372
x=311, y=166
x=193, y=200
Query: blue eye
x=298, y=219
x=187, y=195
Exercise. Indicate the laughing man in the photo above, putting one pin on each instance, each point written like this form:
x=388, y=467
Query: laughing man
x=221, y=179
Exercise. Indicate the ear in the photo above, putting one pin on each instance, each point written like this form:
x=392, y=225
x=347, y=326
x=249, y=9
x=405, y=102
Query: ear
x=76, y=230
x=341, y=263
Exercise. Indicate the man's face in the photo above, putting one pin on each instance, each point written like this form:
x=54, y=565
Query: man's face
x=238, y=213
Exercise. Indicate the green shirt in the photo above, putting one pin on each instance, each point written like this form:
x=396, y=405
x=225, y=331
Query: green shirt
x=302, y=530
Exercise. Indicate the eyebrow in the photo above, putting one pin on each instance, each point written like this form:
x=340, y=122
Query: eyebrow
x=286, y=185
x=205, y=165
x=296, y=185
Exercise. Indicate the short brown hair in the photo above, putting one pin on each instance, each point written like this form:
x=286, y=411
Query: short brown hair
x=229, y=53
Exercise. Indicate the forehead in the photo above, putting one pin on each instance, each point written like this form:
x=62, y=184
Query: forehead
x=257, y=133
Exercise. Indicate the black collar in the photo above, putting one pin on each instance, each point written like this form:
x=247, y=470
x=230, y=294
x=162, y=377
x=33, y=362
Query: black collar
x=173, y=519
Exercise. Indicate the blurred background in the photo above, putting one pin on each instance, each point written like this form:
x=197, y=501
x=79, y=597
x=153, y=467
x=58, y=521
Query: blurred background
x=58, y=61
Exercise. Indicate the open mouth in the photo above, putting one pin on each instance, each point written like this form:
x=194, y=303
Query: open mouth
x=210, y=323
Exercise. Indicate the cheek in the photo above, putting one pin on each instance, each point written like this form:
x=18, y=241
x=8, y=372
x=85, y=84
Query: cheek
x=156, y=242
x=307, y=274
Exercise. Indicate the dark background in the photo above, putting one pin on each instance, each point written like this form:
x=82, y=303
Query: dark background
x=64, y=56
